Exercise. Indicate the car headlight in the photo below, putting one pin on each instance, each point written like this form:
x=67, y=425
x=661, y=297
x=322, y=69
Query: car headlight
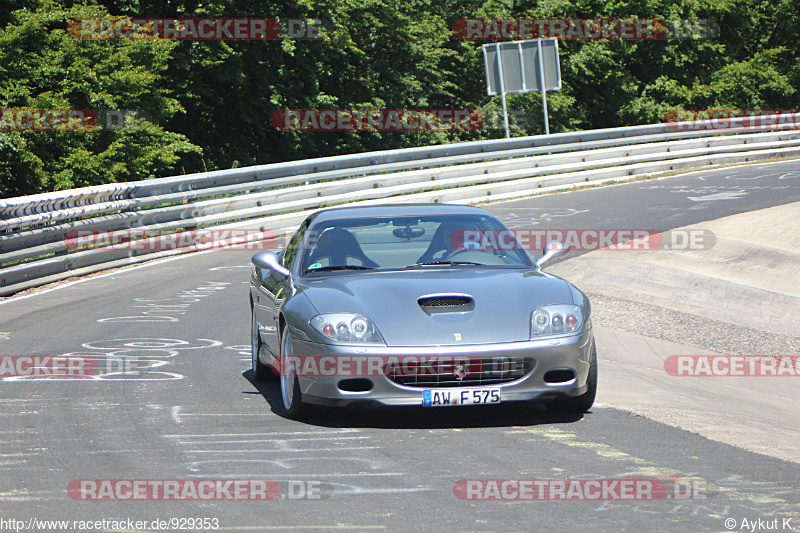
x=346, y=327
x=556, y=321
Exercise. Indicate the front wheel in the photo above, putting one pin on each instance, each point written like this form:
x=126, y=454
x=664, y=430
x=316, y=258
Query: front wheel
x=290, y=384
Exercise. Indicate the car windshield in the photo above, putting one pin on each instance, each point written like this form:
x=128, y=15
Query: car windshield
x=381, y=243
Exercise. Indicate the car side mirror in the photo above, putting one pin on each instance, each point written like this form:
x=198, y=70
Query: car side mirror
x=270, y=261
x=551, y=251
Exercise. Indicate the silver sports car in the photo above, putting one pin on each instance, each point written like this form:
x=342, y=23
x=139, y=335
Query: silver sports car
x=428, y=305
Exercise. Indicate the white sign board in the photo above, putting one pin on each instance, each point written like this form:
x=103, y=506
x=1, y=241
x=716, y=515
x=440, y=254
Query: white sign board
x=521, y=67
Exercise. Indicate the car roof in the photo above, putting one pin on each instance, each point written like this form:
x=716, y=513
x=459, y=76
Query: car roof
x=380, y=210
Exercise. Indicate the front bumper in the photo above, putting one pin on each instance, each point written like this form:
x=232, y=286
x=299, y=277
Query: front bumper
x=567, y=353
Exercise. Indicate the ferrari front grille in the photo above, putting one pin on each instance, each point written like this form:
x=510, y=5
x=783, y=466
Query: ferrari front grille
x=459, y=372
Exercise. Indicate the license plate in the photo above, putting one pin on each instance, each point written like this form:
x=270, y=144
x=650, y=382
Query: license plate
x=447, y=397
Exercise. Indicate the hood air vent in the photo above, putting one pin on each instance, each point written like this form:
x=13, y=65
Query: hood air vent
x=446, y=303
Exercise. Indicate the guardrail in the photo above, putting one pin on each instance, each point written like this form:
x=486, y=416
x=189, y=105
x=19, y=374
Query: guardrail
x=35, y=248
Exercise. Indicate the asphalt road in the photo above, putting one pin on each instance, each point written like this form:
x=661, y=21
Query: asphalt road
x=187, y=410
x=659, y=204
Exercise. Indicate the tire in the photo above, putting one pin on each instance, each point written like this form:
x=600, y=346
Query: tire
x=290, y=384
x=584, y=402
x=261, y=372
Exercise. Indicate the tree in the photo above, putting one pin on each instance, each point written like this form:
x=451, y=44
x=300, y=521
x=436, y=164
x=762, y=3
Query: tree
x=42, y=67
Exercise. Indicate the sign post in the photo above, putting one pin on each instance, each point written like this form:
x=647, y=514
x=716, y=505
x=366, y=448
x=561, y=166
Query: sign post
x=521, y=67
x=542, y=84
x=502, y=91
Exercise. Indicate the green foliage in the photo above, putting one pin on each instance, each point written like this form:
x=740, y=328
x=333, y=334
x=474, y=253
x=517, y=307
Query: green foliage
x=43, y=67
x=210, y=102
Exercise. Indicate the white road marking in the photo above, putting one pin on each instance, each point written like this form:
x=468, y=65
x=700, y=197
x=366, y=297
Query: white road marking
x=293, y=450
x=359, y=490
x=207, y=435
x=312, y=476
x=733, y=195
x=294, y=528
x=155, y=376
x=273, y=440
x=282, y=463
x=22, y=496
x=227, y=414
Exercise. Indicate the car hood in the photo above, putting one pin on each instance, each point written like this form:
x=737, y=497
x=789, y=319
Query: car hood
x=503, y=300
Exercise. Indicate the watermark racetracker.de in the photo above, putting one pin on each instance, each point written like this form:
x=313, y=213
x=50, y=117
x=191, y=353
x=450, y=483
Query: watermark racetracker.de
x=585, y=29
x=582, y=239
x=330, y=120
x=137, y=239
x=383, y=365
x=377, y=119
x=32, y=366
x=732, y=118
x=192, y=490
x=198, y=29
x=733, y=365
x=24, y=119
x=631, y=488
x=73, y=367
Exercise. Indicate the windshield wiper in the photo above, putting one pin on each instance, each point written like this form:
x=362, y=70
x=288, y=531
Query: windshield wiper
x=331, y=268
x=437, y=263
